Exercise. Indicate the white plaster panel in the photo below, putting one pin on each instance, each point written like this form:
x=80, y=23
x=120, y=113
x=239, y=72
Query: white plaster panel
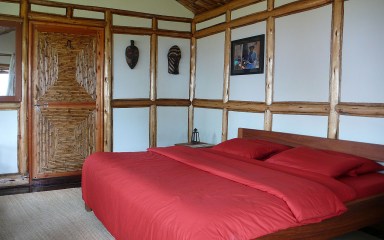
x=362, y=129
x=127, y=82
x=119, y=20
x=210, y=67
x=163, y=7
x=238, y=120
x=303, y=56
x=301, y=124
x=210, y=22
x=47, y=9
x=248, y=87
x=208, y=122
x=9, y=8
x=171, y=85
x=177, y=26
x=8, y=142
x=253, y=8
x=130, y=129
x=172, y=125
x=363, y=51
x=88, y=14
x=279, y=3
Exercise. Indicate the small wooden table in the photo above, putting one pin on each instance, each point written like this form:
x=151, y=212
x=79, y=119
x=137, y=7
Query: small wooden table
x=195, y=145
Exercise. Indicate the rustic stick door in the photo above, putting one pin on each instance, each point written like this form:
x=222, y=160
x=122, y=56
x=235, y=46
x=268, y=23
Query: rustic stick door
x=65, y=94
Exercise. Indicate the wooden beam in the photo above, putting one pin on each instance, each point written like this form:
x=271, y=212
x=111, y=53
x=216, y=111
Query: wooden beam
x=226, y=74
x=361, y=109
x=43, y=17
x=192, y=80
x=108, y=127
x=309, y=108
x=270, y=67
x=149, y=31
x=335, y=67
x=23, y=152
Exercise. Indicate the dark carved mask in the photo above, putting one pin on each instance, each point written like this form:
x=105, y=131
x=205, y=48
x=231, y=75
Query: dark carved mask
x=132, y=55
x=174, y=55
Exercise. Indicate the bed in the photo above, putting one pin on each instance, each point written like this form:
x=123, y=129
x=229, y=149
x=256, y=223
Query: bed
x=238, y=191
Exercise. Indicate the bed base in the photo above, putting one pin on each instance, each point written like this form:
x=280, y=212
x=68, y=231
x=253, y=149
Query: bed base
x=361, y=213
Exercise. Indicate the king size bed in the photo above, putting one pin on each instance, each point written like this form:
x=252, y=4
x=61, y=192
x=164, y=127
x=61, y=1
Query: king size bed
x=261, y=185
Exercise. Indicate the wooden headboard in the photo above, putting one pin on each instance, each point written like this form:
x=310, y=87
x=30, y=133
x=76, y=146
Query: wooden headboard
x=367, y=150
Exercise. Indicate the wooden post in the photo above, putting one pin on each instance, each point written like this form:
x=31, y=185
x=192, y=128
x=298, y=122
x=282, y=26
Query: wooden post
x=192, y=80
x=227, y=60
x=23, y=112
x=269, y=76
x=108, y=130
x=153, y=88
x=335, y=74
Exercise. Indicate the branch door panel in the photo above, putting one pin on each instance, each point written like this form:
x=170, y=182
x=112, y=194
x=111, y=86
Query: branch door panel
x=65, y=98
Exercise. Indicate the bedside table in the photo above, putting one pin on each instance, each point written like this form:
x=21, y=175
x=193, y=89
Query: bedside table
x=195, y=145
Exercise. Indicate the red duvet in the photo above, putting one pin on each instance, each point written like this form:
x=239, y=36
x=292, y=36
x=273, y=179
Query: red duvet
x=178, y=193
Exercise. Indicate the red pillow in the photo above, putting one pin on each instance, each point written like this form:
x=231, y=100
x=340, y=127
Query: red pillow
x=368, y=167
x=329, y=163
x=250, y=148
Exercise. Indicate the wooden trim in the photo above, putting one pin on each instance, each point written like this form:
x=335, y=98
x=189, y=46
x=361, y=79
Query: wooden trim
x=107, y=112
x=10, y=18
x=300, y=108
x=244, y=106
x=206, y=103
x=150, y=16
x=223, y=9
x=132, y=103
x=10, y=106
x=361, y=109
x=43, y=17
x=149, y=31
x=335, y=68
x=153, y=126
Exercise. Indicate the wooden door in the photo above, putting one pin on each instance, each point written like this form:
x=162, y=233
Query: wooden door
x=65, y=98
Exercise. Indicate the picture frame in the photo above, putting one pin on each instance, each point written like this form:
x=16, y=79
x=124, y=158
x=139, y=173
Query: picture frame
x=247, y=55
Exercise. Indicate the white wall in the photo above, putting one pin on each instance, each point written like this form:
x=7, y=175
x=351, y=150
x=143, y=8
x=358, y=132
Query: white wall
x=127, y=82
x=163, y=7
x=8, y=142
x=302, y=70
x=248, y=87
x=208, y=122
x=244, y=120
x=130, y=129
x=303, y=56
x=172, y=126
x=171, y=85
x=210, y=67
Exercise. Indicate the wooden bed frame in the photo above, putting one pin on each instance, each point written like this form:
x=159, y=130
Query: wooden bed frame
x=361, y=213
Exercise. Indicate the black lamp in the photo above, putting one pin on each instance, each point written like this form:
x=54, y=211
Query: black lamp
x=195, y=136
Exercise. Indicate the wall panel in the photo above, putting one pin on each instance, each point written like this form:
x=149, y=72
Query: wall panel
x=363, y=51
x=208, y=122
x=173, y=85
x=172, y=125
x=301, y=124
x=248, y=87
x=130, y=83
x=210, y=67
x=244, y=120
x=130, y=129
x=303, y=56
x=362, y=129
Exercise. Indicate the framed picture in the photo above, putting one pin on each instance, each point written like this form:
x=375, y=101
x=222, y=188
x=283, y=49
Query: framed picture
x=247, y=55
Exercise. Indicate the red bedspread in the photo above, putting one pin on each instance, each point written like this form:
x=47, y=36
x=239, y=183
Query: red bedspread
x=180, y=193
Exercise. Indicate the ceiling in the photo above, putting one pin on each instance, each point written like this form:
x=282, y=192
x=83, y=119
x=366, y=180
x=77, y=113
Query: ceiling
x=200, y=6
